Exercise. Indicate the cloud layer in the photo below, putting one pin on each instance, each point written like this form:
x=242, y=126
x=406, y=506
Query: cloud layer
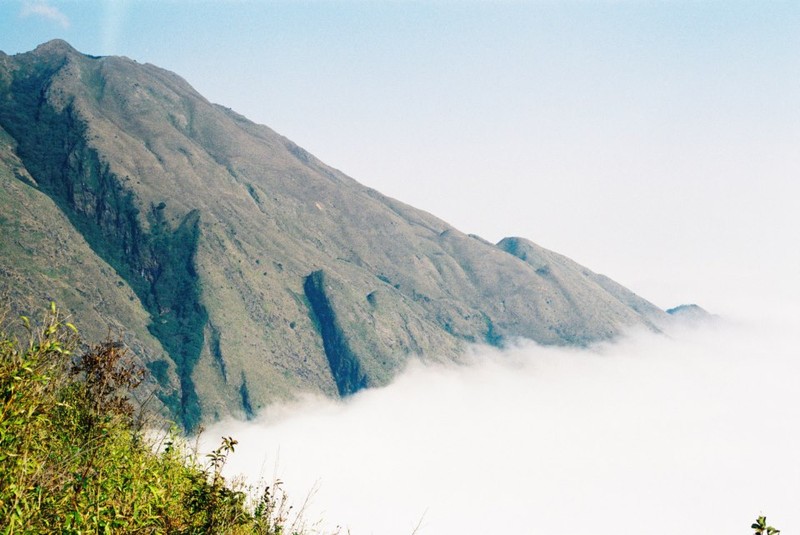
x=650, y=434
x=43, y=9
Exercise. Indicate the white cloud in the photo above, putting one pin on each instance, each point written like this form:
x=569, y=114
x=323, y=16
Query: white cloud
x=43, y=9
x=647, y=435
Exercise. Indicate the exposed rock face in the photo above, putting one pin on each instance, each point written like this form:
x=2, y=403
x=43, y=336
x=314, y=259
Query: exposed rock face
x=252, y=269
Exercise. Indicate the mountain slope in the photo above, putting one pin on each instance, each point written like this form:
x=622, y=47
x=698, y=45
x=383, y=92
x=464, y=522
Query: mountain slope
x=262, y=271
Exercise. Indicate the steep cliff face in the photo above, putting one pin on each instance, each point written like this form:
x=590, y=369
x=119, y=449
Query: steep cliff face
x=43, y=257
x=261, y=271
x=155, y=259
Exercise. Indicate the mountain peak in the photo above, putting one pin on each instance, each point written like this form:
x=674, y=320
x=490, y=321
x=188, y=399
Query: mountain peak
x=691, y=313
x=56, y=47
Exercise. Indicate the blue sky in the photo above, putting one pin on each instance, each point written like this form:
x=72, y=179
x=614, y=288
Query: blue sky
x=654, y=141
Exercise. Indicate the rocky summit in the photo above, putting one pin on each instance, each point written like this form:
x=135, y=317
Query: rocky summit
x=239, y=268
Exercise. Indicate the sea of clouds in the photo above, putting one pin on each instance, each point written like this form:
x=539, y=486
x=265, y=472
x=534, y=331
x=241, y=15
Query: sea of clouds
x=693, y=431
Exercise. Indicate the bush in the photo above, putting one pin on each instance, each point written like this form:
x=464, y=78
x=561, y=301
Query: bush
x=761, y=528
x=75, y=456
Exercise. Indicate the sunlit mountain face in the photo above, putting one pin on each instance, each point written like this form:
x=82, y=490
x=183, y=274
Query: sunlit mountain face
x=254, y=271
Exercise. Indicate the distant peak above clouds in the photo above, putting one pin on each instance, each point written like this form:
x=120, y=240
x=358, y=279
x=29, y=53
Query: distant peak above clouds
x=691, y=313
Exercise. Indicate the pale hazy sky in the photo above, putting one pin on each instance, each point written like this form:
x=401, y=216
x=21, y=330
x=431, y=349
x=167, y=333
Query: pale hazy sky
x=654, y=141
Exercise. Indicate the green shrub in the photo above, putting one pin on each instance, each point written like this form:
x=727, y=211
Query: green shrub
x=761, y=528
x=76, y=457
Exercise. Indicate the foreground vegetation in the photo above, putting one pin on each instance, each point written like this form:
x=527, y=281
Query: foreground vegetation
x=76, y=456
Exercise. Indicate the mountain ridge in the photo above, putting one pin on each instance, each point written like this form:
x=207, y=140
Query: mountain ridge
x=258, y=270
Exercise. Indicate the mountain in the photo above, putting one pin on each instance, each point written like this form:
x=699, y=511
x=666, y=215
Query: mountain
x=692, y=314
x=238, y=267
